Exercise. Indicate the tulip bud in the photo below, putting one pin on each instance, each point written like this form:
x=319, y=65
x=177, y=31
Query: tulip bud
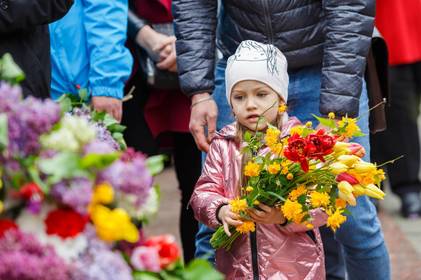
x=373, y=191
x=364, y=167
x=345, y=187
x=341, y=147
x=349, y=198
x=358, y=190
x=347, y=177
x=338, y=168
x=349, y=160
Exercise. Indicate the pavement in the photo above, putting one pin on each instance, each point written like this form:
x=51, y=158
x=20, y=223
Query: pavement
x=403, y=237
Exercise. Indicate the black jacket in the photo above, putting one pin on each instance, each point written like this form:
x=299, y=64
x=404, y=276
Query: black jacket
x=24, y=34
x=335, y=34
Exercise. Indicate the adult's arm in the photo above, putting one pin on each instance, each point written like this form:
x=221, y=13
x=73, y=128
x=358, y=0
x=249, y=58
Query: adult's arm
x=110, y=61
x=349, y=26
x=21, y=14
x=135, y=23
x=195, y=29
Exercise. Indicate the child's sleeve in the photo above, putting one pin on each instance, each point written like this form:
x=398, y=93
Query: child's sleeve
x=209, y=194
x=319, y=219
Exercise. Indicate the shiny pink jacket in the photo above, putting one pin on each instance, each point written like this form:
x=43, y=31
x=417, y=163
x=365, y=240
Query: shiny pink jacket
x=282, y=252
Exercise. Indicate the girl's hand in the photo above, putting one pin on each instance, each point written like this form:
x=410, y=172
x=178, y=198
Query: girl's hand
x=267, y=215
x=228, y=218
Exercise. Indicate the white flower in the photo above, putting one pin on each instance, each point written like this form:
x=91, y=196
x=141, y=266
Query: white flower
x=69, y=249
x=61, y=140
x=146, y=210
x=80, y=127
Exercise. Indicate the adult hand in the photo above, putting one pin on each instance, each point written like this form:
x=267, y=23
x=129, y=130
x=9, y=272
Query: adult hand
x=203, y=114
x=228, y=218
x=154, y=42
x=168, y=61
x=110, y=105
x=267, y=215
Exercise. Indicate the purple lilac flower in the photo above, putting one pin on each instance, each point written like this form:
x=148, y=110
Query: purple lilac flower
x=99, y=147
x=75, y=193
x=27, y=120
x=130, y=175
x=99, y=262
x=22, y=257
x=102, y=134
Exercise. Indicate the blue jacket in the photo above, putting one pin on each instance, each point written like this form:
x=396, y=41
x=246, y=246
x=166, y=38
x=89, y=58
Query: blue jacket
x=87, y=49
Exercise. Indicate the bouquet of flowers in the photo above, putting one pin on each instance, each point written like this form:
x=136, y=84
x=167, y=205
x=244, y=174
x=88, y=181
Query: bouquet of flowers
x=72, y=197
x=308, y=169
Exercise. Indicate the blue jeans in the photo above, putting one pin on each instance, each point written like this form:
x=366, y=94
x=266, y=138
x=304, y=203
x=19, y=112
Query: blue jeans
x=365, y=252
x=364, y=249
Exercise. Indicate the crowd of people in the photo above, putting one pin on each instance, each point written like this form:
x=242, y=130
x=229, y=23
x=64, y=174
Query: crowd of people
x=176, y=61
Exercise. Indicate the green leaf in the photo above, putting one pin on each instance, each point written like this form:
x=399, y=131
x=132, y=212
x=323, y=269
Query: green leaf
x=4, y=135
x=144, y=275
x=116, y=127
x=9, y=70
x=155, y=164
x=331, y=123
x=84, y=95
x=358, y=134
x=277, y=196
x=119, y=138
x=65, y=103
x=247, y=136
x=64, y=165
x=200, y=269
x=99, y=161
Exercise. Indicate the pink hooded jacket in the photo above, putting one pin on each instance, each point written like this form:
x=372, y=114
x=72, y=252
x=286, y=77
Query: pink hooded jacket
x=281, y=252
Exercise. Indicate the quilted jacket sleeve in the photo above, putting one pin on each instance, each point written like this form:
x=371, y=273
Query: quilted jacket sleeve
x=209, y=194
x=349, y=25
x=195, y=28
x=21, y=14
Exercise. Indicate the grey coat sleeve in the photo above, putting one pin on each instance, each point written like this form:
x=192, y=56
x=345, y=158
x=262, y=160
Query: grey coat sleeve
x=21, y=14
x=195, y=29
x=349, y=26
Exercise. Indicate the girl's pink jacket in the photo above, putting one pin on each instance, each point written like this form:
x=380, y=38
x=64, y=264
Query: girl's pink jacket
x=282, y=252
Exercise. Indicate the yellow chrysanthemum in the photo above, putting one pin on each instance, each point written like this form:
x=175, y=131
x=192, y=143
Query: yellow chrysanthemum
x=272, y=136
x=293, y=211
x=246, y=227
x=113, y=225
x=350, y=125
x=309, y=226
x=238, y=205
x=296, y=130
x=249, y=189
x=256, y=202
x=285, y=170
x=309, y=124
x=290, y=176
x=335, y=220
x=1, y=206
x=282, y=108
x=274, y=168
x=331, y=115
x=299, y=191
x=252, y=169
x=277, y=149
x=319, y=199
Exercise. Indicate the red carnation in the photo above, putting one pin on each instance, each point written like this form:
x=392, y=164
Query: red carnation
x=29, y=190
x=5, y=225
x=167, y=249
x=65, y=223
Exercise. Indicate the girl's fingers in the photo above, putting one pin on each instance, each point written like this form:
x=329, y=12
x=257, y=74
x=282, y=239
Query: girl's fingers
x=226, y=229
x=265, y=207
x=233, y=215
x=233, y=222
x=257, y=212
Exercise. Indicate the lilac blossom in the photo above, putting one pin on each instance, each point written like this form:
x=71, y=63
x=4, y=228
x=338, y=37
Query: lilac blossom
x=129, y=175
x=99, y=147
x=75, y=193
x=22, y=257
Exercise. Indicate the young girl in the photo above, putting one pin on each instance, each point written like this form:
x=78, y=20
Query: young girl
x=256, y=85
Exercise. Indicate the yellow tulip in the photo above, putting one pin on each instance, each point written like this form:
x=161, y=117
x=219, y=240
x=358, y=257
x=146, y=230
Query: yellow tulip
x=364, y=167
x=341, y=147
x=345, y=192
x=349, y=160
x=338, y=168
x=358, y=190
x=373, y=191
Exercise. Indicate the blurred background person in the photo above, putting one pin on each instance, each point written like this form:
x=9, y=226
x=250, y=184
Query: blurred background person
x=399, y=22
x=88, y=51
x=158, y=115
x=24, y=34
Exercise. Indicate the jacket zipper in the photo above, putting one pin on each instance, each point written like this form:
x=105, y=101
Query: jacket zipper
x=265, y=4
x=254, y=261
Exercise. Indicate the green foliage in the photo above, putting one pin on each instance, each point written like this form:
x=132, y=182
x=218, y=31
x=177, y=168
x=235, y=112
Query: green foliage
x=4, y=138
x=10, y=71
x=155, y=164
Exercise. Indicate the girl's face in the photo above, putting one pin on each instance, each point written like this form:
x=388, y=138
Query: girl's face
x=252, y=99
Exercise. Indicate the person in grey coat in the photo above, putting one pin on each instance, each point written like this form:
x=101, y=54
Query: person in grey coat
x=326, y=44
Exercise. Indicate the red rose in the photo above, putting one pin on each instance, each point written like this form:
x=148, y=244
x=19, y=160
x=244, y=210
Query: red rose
x=167, y=249
x=65, y=223
x=5, y=225
x=29, y=190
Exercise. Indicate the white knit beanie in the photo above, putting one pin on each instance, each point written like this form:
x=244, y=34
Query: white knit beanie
x=259, y=62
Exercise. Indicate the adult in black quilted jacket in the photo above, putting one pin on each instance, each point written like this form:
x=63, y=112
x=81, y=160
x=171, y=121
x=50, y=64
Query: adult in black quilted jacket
x=327, y=40
x=24, y=34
